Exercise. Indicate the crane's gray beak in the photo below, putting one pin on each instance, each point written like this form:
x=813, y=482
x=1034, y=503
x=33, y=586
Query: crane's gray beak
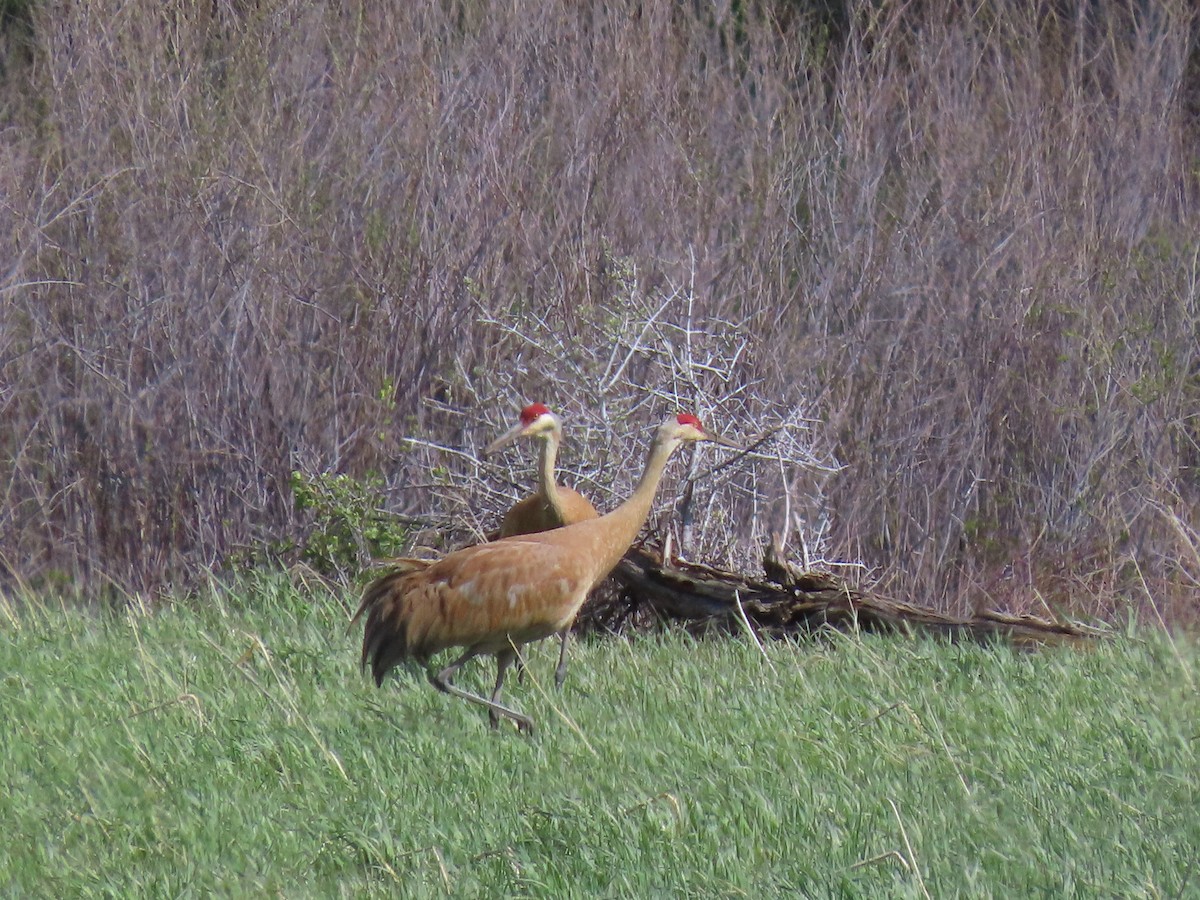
x=723, y=441
x=504, y=440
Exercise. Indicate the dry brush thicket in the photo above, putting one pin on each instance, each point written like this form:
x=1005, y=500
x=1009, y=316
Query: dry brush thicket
x=953, y=247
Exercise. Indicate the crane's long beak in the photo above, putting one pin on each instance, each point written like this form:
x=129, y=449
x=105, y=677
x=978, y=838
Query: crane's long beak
x=505, y=439
x=723, y=441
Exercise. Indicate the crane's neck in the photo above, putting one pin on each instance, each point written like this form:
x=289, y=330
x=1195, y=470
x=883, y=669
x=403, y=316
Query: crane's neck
x=618, y=530
x=546, y=461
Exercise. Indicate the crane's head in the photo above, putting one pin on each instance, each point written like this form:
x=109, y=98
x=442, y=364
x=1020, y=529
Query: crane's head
x=536, y=421
x=686, y=427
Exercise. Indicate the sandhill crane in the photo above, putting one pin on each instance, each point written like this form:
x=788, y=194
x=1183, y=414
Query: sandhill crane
x=494, y=598
x=552, y=506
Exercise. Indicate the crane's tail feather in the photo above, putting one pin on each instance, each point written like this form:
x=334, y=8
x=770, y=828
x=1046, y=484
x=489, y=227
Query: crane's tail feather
x=386, y=656
x=381, y=586
x=385, y=636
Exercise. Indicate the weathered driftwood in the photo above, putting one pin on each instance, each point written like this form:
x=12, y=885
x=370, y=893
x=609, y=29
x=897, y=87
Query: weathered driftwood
x=794, y=601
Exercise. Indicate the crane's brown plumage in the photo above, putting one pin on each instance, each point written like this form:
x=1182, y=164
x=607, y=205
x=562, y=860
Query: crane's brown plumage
x=538, y=512
x=551, y=507
x=493, y=598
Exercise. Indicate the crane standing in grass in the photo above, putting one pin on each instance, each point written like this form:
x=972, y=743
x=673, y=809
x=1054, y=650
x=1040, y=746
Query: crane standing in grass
x=494, y=598
x=552, y=506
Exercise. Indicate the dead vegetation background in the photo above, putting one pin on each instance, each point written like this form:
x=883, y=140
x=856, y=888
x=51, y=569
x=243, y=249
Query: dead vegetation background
x=952, y=247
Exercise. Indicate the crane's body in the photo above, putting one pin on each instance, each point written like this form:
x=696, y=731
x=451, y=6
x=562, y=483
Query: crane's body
x=552, y=506
x=539, y=512
x=493, y=598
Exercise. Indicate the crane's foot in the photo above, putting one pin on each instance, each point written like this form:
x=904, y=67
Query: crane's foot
x=524, y=723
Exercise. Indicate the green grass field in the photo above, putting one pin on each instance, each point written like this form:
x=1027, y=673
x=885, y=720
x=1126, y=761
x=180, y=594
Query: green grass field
x=230, y=745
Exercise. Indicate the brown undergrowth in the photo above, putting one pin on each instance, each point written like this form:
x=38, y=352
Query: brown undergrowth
x=950, y=247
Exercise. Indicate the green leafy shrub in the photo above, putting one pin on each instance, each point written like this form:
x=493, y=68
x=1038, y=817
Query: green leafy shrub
x=348, y=521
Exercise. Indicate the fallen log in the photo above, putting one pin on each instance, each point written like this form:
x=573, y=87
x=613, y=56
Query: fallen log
x=791, y=601
x=794, y=601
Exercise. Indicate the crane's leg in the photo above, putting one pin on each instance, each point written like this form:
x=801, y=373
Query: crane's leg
x=560, y=674
x=504, y=659
x=444, y=681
